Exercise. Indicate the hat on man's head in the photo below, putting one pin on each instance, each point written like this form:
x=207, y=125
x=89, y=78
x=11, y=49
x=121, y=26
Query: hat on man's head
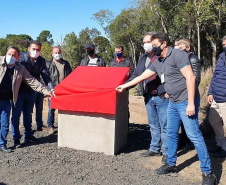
x=90, y=45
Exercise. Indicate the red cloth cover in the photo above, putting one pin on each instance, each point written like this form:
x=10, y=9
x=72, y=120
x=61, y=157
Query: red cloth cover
x=90, y=89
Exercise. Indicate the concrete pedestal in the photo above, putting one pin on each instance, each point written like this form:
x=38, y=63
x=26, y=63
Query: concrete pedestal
x=95, y=132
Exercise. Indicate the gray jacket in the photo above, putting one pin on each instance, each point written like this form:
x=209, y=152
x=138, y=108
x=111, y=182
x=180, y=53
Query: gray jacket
x=54, y=73
x=126, y=62
x=21, y=74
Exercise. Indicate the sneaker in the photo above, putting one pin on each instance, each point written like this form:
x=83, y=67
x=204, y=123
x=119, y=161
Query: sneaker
x=215, y=149
x=209, y=179
x=17, y=143
x=50, y=130
x=166, y=169
x=150, y=153
x=5, y=149
x=164, y=158
x=220, y=153
x=43, y=128
x=31, y=139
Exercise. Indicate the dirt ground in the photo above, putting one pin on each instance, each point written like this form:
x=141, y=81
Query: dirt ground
x=45, y=163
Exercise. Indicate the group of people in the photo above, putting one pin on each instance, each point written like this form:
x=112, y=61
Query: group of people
x=24, y=81
x=168, y=78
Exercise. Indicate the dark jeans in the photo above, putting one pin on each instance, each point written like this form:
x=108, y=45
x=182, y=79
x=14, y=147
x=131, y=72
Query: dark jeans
x=51, y=114
x=39, y=109
x=25, y=104
x=5, y=108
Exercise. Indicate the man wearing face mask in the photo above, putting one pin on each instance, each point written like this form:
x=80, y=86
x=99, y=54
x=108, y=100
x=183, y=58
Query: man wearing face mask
x=217, y=99
x=58, y=69
x=36, y=65
x=174, y=68
x=155, y=102
x=120, y=60
x=92, y=59
x=12, y=74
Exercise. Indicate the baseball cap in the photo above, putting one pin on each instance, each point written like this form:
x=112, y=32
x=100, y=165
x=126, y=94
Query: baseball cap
x=90, y=45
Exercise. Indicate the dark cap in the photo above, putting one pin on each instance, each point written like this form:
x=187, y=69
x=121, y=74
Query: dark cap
x=90, y=45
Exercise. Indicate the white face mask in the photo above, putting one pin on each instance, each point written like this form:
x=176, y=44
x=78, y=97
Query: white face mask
x=34, y=54
x=57, y=56
x=148, y=47
x=10, y=60
x=176, y=47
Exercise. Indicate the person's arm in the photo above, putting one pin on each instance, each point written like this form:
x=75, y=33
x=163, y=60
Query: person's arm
x=190, y=82
x=34, y=83
x=46, y=77
x=131, y=67
x=145, y=75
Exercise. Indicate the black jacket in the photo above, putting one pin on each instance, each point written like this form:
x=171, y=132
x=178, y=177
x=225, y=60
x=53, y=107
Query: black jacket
x=150, y=84
x=126, y=62
x=100, y=61
x=37, y=70
x=54, y=73
x=196, y=67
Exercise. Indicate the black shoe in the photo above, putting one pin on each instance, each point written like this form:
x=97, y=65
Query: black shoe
x=5, y=149
x=209, y=179
x=166, y=169
x=215, y=149
x=164, y=158
x=17, y=143
x=31, y=139
x=220, y=153
x=150, y=153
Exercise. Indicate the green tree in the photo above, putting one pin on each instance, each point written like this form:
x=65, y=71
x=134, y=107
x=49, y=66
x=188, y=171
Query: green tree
x=45, y=36
x=103, y=48
x=72, y=50
x=3, y=46
x=46, y=51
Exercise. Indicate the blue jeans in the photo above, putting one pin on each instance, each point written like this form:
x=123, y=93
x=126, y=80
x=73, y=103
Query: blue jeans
x=25, y=104
x=51, y=114
x=157, y=118
x=5, y=108
x=176, y=114
x=39, y=108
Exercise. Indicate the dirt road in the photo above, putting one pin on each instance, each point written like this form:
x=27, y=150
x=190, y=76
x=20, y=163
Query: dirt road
x=45, y=163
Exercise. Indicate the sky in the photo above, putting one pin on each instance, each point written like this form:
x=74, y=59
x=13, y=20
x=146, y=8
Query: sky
x=60, y=17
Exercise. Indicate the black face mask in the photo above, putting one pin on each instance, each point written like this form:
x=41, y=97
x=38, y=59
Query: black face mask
x=224, y=50
x=90, y=52
x=157, y=50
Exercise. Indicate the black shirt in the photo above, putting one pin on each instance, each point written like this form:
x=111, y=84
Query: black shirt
x=6, y=92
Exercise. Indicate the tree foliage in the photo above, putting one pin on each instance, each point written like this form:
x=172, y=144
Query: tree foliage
x=45, y=36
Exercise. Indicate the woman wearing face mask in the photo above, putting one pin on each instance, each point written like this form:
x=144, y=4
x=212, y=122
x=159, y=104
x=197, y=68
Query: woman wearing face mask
x=12, y=74
x=92, y=59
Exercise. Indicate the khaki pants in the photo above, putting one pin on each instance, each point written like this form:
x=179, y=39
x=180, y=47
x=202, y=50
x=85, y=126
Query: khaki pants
x=217, y=114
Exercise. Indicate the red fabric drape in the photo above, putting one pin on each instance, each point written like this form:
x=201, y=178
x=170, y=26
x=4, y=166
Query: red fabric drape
x=90, y=89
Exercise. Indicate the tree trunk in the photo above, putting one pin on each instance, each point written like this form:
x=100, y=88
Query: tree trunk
x=214, y=54
x=198, y=36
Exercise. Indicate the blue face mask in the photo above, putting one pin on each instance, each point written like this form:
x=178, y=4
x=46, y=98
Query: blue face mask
x=10, y=60
x=118, y=55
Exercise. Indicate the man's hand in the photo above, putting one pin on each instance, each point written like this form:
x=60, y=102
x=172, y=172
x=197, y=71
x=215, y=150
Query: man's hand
x=166, y=96
x=121, y=88
x=52, y=91
x=210, y=99
x=190, y=110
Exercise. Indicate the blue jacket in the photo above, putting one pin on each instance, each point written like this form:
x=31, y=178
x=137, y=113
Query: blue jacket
x=218, y=81
x=151, y=85
x=37, y=70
